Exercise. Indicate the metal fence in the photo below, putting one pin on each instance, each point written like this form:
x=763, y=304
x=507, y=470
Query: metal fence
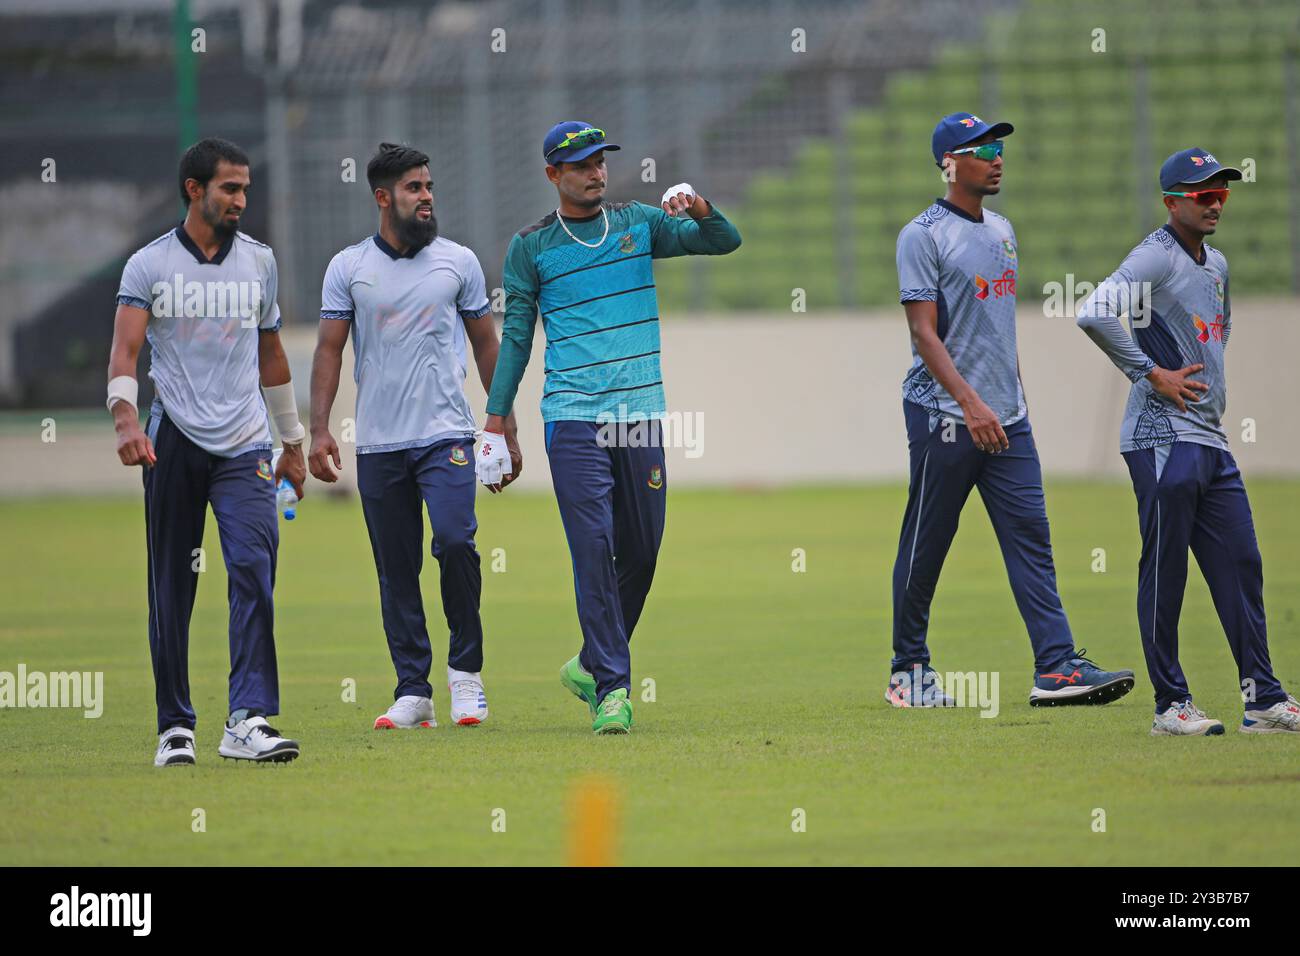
x=807, y=122
x=711, y=91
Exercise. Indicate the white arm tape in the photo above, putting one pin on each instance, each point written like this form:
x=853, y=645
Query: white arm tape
x=123, y=388
x=282, y=405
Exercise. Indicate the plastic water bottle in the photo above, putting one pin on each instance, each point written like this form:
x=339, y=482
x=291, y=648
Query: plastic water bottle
x=286, y=499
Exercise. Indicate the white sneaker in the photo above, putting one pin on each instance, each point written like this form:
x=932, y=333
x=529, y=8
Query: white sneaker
x=407, y=713
x=1185, y=719
x=254, y=739
x=1283, y=718
x=468, y=702
x=175, y=748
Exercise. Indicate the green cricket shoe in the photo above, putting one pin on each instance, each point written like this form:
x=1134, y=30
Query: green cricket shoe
x=579, y=683
x=614, y=715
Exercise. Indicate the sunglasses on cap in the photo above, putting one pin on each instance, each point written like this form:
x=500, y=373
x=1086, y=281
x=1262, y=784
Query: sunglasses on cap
x=1204, y=197
x=987, y=151
x=582, y=137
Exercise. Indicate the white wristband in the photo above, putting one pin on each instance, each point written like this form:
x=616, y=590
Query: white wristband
x=123, y=388
x=283, y=408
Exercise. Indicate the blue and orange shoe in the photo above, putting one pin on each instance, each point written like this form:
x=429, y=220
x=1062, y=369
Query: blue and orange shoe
x=917, y=686
x=1078, y=680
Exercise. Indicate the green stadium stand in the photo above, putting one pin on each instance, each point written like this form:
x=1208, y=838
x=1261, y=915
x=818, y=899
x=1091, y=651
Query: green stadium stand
x=1080, y=183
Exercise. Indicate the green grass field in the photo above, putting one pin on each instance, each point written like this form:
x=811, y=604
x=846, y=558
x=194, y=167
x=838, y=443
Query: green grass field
x=769, y=698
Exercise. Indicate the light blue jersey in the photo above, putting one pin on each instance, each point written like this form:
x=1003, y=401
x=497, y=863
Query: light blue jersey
x=204, y=320
x=408, y=336
x=968, y=268
x=1183, y=317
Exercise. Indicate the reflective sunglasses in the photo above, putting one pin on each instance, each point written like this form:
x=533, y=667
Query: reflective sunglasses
x=583, y=137
x=1204, y=197
x=987, y=151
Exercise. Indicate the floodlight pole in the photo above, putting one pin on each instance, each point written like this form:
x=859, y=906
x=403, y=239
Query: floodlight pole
x=275, y=70
x=1291, y=97
x=187, y=87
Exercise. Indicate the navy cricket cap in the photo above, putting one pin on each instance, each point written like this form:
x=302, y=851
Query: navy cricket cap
x=957, y=129
x=1193, y=165
x=585, y=139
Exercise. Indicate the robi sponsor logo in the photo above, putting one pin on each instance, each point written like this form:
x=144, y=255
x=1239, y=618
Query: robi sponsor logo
x=1004, y=285
x=1206, y=331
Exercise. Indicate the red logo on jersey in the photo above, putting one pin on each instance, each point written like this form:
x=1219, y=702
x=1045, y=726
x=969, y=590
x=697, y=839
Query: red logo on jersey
x=1204, y=332
x=1004, y=285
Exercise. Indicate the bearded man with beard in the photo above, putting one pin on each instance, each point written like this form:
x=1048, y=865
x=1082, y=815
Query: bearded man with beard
x=411, y=299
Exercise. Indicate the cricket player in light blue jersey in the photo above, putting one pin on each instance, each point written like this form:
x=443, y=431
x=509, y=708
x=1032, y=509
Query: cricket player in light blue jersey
x=203, y=294
x=411, y=299
x=1190, y=495
x=968, y=427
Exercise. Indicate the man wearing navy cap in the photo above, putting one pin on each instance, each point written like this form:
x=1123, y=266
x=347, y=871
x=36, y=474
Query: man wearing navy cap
x=586, y=267
x=967, y=427
x=1189, y=490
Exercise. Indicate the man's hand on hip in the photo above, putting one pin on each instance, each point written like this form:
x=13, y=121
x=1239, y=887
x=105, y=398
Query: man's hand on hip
x=1178, y=386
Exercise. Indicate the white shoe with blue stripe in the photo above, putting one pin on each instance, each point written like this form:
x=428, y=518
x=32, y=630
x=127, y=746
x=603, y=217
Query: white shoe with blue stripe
x=468, y=702
x=1281, y=718
x=254, y=739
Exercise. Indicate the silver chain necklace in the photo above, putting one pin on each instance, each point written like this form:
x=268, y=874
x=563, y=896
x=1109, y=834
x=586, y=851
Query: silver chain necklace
x=590, y=245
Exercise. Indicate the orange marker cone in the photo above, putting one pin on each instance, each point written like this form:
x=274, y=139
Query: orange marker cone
x=593, y=822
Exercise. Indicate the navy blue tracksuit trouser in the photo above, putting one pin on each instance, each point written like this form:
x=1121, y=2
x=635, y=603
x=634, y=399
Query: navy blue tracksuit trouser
x=177, y=492
x=943, y=472
x=393, y=486
x=1192, y=496
x=612, y=503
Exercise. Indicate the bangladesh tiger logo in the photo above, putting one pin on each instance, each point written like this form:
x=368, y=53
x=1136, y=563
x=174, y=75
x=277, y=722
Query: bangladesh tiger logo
x=656, y=478
x=458, y=457
x=626, y=244
x=264, y=469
